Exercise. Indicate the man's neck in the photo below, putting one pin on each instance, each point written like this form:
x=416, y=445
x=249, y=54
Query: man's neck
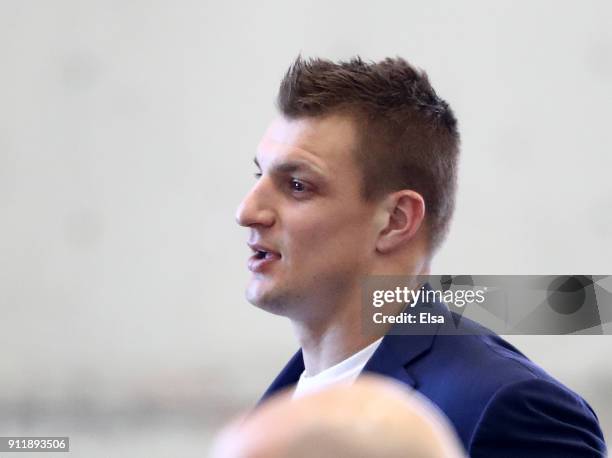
x=331, y=339
x=327, y=342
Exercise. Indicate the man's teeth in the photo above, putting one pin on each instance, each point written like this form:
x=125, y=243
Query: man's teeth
x=261, y=254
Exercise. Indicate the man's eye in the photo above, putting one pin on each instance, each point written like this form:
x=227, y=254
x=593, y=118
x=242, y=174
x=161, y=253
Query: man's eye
x=297, y=186
x=257, y=175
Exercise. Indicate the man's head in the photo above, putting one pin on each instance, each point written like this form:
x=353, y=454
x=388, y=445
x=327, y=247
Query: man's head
x=355, y=178
x=373, y=417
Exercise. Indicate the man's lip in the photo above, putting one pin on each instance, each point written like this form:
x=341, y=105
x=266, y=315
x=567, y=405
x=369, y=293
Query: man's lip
x=258, y=264
x=259, y=247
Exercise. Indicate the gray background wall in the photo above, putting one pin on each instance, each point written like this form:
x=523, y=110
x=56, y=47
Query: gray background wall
x=127, y=131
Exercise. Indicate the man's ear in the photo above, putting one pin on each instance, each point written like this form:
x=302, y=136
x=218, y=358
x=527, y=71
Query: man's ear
x=404, y=212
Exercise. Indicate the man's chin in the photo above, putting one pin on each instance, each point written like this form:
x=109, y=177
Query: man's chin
x=260, y=298
x=266, y=300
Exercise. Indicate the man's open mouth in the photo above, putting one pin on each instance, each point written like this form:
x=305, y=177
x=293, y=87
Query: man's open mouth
x=261, y=254
x=261, y=257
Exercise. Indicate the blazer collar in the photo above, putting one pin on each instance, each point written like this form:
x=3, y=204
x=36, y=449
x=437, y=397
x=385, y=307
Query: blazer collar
x=395, y=354
x=287, y=377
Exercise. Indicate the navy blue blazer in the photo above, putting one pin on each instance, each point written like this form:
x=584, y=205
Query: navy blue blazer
x=500, y=403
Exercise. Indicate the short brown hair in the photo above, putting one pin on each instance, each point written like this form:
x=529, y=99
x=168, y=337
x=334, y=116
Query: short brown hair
x=408, y=135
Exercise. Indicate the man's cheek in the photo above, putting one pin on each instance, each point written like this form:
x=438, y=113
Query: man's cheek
x=311, y=236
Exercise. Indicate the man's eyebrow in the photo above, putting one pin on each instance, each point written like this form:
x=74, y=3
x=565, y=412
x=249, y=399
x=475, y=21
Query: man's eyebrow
x=292, y=166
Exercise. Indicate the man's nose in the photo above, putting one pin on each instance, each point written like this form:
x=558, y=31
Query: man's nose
x=255, y=208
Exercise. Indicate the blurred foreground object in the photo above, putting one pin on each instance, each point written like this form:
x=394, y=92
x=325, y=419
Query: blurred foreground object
x=373, y=417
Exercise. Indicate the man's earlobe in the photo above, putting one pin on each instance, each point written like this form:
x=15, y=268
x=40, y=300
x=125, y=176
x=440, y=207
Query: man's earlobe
x=405, y=211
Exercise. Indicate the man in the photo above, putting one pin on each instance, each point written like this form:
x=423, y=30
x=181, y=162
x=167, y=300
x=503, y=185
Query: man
x=375, y=417
x=357, y=178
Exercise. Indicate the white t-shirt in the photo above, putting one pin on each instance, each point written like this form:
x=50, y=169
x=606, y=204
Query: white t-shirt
x=345, y=372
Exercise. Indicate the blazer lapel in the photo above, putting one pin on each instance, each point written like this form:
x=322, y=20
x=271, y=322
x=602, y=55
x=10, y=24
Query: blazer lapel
x=399, y=348
x=288, y=376
x=394, y=355
x=390, y=359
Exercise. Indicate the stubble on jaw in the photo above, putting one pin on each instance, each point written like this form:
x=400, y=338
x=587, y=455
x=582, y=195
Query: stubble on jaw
x=314, y=304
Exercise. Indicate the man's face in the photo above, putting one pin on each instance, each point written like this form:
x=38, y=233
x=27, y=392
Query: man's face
x=311, y=231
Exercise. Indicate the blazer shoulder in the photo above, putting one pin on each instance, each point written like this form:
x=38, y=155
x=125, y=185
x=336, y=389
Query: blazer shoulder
x=537, y=417
x=485, y=359
x=474, y=377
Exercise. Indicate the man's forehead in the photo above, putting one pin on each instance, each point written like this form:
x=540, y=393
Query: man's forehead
x=320, y=139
